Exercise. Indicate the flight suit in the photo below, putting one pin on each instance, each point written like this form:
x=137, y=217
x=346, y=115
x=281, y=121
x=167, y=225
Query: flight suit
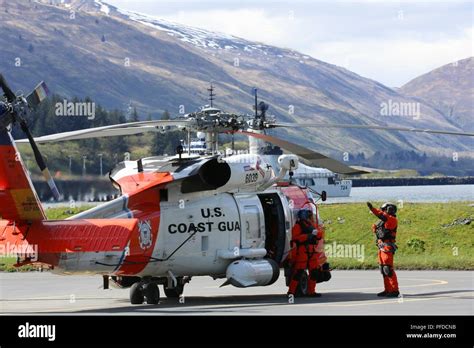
x=304, y=256
x=385, y=233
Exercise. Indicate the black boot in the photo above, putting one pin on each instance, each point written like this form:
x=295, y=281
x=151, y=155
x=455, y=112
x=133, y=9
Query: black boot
x=382, y=294
x=393, y=294
x=316, y=294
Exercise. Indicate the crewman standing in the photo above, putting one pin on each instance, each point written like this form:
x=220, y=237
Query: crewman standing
x=385, y=235
x=305, y=237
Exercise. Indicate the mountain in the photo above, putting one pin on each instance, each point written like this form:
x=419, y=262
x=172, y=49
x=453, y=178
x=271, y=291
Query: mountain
x=88, y=48
x=450, y=89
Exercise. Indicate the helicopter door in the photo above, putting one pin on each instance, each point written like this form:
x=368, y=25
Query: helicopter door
x=277, y=229
x=252, y=222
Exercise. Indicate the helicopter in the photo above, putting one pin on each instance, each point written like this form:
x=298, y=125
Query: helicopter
x=177, y=217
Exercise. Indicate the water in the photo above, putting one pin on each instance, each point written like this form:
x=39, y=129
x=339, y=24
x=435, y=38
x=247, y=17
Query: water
x=426, y=193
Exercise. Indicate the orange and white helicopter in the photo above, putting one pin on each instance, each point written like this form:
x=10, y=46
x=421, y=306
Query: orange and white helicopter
x=177, y=217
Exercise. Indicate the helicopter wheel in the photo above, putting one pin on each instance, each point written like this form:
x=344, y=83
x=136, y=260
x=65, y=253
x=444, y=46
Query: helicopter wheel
x=152, y=293
x=136, y=294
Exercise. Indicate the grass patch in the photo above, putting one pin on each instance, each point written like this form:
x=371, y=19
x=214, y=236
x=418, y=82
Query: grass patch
x=65, y=212
x=426, y=238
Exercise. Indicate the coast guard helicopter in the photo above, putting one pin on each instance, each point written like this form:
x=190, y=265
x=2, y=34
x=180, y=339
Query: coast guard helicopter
x=177, y=217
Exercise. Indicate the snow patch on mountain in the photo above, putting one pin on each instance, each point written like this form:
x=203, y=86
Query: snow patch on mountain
x=206, y=39
x=203, y=39
x=103, y=7
x=196, y=36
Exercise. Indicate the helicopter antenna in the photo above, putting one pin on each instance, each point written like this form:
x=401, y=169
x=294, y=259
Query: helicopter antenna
x=211, y=94
x=256, y=99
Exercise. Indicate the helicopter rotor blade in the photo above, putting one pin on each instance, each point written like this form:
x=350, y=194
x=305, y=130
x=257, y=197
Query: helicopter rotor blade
x=364, y=126
x=315, y=158
x=35, y=98
x=121, y=129
x=7, y=90
x=40, y=93
x=40, y=161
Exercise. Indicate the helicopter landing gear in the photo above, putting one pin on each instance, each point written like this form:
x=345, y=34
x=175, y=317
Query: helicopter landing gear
x=176, y=291
x=152, y=293
x=141, y=291
x=136, y=294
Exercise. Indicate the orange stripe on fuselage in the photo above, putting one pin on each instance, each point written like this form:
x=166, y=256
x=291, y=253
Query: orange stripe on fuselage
x=144, y=204
x=135, y=183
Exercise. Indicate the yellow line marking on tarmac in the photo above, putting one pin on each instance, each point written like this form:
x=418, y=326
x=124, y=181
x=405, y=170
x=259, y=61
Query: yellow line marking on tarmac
x=375, y=302
x=363, y=303
x=436, y=282
x=392, y=301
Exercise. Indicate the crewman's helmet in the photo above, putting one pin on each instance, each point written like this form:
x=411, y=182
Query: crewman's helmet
x=389, y=208
x=304, y=214
x=313, y=212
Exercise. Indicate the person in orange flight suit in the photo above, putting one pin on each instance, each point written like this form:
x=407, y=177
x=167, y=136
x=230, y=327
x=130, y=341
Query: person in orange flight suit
x=385, y=234
x=305, y=237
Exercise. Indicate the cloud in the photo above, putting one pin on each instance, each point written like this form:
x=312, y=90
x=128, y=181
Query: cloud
x=250, y=24
x=396, y=61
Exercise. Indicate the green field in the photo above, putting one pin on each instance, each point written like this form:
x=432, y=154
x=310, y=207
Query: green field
x=426, y=238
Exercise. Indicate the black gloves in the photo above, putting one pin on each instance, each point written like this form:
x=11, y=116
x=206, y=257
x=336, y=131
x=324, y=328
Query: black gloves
x=369, y=205
x=312, y=239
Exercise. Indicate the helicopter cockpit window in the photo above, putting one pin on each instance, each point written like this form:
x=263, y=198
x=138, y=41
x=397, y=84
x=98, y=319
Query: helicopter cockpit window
x=306, y=182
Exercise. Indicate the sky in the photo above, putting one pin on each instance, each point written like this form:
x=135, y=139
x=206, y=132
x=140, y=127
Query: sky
x=389, y=41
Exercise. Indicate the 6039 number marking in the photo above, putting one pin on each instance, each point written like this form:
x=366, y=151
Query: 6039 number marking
x=250, y=178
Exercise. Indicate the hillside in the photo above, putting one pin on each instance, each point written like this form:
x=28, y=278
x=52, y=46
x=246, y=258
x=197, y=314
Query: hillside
x=450, y=89
x=86, y=48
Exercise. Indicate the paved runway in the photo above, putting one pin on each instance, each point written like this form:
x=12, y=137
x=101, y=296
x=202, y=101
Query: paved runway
x=348, y=293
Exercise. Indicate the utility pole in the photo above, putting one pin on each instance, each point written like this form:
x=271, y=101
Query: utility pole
x=70, y=165
x=256, y=100
x=84, y=165
x=100, y=164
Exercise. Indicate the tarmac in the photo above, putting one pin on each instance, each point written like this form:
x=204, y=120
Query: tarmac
x=347, y=293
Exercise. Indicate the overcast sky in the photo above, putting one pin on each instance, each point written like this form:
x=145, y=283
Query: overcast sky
x=388, y=41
